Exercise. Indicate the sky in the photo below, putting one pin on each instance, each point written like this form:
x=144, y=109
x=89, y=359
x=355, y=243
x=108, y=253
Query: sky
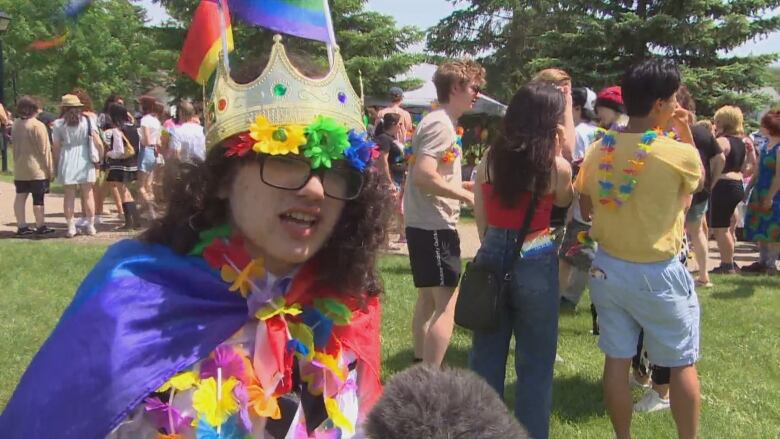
x=426, y=13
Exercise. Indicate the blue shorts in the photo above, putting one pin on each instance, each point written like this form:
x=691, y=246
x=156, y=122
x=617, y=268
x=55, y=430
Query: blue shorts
x=147, y=161
x=657, y=297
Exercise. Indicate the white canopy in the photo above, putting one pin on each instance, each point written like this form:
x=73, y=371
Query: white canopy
x=422, y=97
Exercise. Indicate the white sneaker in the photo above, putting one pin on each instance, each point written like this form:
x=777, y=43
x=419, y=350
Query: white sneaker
x=90, y=230
x=71, y=229
x=651, y=402
x=81, y=223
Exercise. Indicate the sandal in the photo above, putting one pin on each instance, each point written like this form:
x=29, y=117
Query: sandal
x=701, y=284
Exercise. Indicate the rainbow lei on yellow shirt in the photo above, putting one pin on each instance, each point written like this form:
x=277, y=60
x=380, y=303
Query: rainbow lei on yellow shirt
x=610, y=194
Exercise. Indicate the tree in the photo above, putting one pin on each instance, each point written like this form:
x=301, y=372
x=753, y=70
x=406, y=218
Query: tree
x=597, y=40
x=370, y=43
x=106, y=51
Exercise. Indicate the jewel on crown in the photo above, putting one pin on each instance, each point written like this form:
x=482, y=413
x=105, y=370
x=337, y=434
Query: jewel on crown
x=283, y=95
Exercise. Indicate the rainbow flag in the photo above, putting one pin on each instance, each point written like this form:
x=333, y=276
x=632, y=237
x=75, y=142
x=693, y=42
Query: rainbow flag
x=200, y=53
x=302, y=18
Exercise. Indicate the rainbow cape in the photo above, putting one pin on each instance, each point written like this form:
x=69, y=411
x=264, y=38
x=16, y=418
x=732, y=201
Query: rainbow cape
x=142, y=315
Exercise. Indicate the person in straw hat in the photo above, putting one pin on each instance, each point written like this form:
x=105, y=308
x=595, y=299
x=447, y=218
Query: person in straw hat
x=74, y=137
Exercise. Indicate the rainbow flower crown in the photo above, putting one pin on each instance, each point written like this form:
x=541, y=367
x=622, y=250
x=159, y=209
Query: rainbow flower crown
x=286, y=112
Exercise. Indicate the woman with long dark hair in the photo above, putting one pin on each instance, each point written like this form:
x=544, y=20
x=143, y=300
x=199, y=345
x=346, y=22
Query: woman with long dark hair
x=391, y=164
x=122, y=159
x=524, y=169
x=249, y=309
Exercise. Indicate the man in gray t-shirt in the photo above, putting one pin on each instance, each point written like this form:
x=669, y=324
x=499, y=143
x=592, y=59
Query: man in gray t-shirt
x=432, y=200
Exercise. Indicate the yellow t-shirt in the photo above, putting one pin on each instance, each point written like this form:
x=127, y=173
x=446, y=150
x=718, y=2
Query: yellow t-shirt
x=649, y=226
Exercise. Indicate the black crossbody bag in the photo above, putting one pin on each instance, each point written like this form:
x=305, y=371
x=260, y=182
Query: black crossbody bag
x=483, y=291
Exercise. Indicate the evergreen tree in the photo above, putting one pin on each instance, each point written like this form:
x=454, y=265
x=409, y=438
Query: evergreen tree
x=597, y=40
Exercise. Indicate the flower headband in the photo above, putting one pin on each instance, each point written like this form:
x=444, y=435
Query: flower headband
x=323, y=141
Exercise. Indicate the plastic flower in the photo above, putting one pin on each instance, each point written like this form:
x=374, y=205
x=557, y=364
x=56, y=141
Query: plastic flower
x=227, y=358
x=227, y=430
x=359, y=152
x=180, y=382
x=302, y=339
x=165, y=416
x=262, y=405
x=215, y=408
x=242, y=280
x=327, y=141
x=276, y=140
x=276, y=307
x=335, y=415
x=239, y=145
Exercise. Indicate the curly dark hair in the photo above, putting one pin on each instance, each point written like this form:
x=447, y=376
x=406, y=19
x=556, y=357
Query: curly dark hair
x=522, y=157
x=347, y=261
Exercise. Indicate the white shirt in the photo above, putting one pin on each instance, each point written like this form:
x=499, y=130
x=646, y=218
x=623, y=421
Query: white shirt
x=189, y=142
x=155, y=129
x=585, y=135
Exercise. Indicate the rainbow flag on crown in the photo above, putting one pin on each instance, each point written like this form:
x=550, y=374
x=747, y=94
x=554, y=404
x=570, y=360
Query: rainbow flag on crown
x=302, y=18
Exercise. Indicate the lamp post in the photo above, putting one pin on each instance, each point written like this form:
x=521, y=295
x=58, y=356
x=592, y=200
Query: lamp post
x=5, y=21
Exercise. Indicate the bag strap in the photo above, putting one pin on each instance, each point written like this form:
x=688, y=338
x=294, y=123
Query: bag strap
x=522, y=233
x=89, y=129
x=127, y=141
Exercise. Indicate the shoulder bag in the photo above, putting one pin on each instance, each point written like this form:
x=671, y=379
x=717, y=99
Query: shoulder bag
x=94, y=152
x=483, y=291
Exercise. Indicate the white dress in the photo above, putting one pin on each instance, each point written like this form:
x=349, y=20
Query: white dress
x=75, y=164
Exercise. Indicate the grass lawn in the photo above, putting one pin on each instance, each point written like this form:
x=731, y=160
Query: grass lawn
x=740, y=366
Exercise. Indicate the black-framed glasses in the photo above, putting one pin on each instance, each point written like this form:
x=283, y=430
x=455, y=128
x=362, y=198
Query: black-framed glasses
x=340, y=181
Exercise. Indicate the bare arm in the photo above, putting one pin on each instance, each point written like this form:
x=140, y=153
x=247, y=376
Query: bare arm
x=479, y=202
x=426, y=177
x=564, y=192
x=569, y=133
x=751, y=161
x=384, y=167
x=3, y=116
x=586, y=207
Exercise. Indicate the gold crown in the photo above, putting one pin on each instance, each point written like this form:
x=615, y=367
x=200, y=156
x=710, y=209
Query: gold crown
x=283, y=95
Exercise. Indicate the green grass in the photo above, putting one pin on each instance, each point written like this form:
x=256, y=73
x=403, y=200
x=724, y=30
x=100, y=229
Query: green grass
x=739, y=370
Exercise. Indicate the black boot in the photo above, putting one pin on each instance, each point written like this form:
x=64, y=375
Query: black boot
x=595, y=317
x=135, y=217
x=126, y=208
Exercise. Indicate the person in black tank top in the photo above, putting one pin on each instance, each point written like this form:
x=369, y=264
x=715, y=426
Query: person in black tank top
x=731, y=167
x=123, y=161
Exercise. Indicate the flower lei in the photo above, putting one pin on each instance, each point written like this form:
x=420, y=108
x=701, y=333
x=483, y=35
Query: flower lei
x=228, y=391
x=608, y=196
x=323, y=141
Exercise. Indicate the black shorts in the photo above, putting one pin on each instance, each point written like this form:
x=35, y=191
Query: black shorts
x=434, y=256
x=725, y=197
x=121, y=176
x=34, y=187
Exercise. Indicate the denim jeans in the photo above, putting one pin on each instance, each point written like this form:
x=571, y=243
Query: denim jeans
x=531, y=313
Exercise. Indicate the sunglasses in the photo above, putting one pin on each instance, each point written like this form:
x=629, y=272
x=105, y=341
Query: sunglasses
x=341, y=181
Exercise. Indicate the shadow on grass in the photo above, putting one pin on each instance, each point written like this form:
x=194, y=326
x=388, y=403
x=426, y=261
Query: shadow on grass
x=575, y=398
x=734, y=293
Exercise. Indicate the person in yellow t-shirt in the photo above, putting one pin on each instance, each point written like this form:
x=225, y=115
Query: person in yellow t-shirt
x=637, y=208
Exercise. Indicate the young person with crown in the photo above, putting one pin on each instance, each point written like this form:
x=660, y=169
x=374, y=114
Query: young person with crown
x=636, y=183
x=250, y=309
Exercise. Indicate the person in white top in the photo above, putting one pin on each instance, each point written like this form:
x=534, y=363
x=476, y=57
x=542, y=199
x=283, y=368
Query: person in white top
x=188, y=143
x=151, y=129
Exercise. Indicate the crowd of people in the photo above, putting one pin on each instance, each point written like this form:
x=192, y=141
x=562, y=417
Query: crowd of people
x=650, y=178
x=115, y=153
x=250, y=304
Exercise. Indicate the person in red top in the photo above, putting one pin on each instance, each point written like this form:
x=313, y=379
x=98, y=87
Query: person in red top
x=525, y=165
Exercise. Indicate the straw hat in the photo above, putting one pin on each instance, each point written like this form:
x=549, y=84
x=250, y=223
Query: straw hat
x=71, y=101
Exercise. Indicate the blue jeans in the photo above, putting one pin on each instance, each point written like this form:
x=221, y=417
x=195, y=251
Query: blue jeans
x=531, y=313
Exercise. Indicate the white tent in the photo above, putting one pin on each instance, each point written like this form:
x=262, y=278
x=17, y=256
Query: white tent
x=421, y=98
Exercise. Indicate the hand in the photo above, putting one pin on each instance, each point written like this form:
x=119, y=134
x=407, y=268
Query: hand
x=681, y=118
x=468, y=185
x=468, y=198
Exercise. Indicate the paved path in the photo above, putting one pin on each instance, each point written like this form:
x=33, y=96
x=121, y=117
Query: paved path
x=55, y=218
x=745, y=252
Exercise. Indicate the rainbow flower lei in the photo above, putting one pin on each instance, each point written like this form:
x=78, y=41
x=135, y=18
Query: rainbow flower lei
x=608, y=195
x=323, y=141
x=229, y=389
